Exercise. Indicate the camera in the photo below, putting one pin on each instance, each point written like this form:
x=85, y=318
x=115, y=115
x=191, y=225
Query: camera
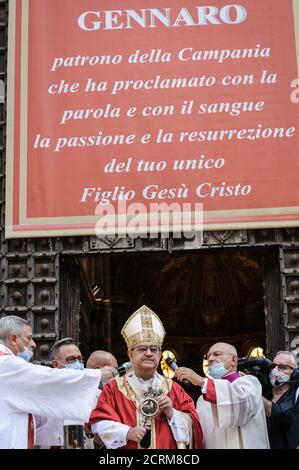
x=260, y=367
x=249, y=362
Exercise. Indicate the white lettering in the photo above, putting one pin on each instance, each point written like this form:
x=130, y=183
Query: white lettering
x=224, y=190
x=226, y=14
x=94, y=24
x=166, y=17
x=154, y=192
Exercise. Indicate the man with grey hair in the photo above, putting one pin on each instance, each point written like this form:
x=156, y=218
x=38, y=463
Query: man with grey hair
x=230, y=409
x=22, y=336
x=28, y=389
x=280, y=405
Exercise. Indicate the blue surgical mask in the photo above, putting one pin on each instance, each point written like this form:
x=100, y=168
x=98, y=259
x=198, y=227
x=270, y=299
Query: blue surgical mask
x=217, y=371
x=26, y=354
x=75, y=365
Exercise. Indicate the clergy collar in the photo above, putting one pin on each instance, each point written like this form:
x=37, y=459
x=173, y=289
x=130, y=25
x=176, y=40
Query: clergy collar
x=147, y=382
x=232, y=376
x=6, y=350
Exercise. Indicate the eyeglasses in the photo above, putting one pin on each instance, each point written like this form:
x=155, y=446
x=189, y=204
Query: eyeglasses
x=71, y=359
x=144, y=349
x=216, y=354
x=282, y=367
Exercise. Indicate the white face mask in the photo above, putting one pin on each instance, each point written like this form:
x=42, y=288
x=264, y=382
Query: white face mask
x=278, y=378
x=26, y=354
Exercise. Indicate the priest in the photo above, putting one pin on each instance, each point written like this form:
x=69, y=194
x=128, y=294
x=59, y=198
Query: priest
x=27, y=389
x=143, y=409
x=231, y=406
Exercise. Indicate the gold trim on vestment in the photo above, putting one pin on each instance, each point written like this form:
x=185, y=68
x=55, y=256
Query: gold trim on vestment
x=125, y=388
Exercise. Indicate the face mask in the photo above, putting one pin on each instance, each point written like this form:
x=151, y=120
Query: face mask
x=278, y=378
x=75, y=365
x=217, y=371
x=26, y=354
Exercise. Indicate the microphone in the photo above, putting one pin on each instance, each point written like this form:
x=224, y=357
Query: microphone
x=173, y=366
x=277, y=383
x=123, y=369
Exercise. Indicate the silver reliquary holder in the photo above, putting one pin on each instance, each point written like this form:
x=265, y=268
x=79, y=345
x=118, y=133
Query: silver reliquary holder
x=149, y=406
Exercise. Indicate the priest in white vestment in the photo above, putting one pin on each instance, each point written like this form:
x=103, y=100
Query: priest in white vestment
x=27, y=389
x=230, y=409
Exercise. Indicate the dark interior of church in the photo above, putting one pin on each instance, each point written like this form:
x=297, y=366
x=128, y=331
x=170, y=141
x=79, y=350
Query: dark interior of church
x=201, y=299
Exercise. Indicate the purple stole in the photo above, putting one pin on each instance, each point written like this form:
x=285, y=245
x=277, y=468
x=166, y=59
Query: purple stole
x=232, y=376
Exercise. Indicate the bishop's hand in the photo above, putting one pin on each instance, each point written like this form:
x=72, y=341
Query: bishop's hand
x=165, y=405
x=136, y=434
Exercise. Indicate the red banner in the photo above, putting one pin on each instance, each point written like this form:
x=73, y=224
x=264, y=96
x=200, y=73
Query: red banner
x=151, y=103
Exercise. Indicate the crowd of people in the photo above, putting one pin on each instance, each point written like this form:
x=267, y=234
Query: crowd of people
x=141, y=409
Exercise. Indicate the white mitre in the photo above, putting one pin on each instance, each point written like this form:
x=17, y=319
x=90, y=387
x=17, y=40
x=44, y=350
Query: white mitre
x=143, y=326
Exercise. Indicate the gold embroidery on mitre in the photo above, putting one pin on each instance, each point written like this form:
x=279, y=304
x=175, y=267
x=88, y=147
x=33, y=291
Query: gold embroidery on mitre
x=146, y=321
x=143, y=326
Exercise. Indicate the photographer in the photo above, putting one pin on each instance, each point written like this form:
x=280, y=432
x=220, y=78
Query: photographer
x=280, y=406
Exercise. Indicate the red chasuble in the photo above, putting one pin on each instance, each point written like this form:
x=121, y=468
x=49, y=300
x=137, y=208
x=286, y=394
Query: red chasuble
x=119, y=403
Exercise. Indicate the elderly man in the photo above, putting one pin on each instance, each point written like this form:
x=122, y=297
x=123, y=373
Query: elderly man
x=143, y=409
x=280, y=408
x=231, y=407
x=28, y=389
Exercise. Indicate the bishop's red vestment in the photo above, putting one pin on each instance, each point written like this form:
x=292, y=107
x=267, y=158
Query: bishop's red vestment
x=120, y=404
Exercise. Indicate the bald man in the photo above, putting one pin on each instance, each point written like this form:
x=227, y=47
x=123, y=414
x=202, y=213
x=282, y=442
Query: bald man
x=281, y=406
x=99, y=359
x=230, y=409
